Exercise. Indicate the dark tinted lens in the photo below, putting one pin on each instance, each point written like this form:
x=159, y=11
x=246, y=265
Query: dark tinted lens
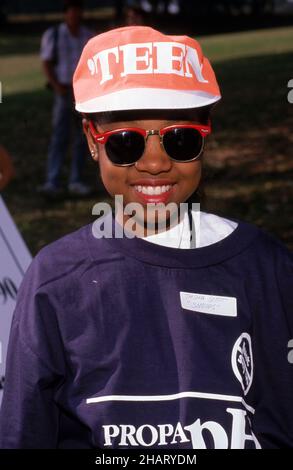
x=125, y=147
x=183, y=143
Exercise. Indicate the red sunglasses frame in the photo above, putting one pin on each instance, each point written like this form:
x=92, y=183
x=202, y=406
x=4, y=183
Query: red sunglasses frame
x=102, y=137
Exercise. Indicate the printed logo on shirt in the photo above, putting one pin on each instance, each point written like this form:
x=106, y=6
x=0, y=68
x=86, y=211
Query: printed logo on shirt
x=210, y=304
x=165, y=434
x=242, y=361
x=290, y=353
x=231, y=430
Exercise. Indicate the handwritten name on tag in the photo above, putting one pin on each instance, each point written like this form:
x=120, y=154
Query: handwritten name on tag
x=211, y=304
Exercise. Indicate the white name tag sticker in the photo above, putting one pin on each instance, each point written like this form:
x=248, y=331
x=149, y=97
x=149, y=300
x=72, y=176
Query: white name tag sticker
x=211, y=304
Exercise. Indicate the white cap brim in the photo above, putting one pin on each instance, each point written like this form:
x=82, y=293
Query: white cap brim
x=147, y=98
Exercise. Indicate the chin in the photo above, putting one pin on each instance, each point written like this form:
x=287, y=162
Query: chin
x=159, y=216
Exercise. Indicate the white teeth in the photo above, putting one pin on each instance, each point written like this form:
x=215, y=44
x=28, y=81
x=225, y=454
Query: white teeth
x=158, y=190
x=149, y=190
x=153, y=190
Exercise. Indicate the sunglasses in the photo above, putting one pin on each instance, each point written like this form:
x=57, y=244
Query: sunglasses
x=125, y=146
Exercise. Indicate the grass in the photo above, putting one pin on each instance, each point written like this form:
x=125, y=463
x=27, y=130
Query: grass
x=224, y=47
x=29, y=78
x=248, y=161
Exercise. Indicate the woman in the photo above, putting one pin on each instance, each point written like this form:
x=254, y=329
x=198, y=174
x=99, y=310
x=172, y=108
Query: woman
x=161, y=326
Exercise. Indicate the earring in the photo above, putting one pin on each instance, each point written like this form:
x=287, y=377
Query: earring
x=93, y=153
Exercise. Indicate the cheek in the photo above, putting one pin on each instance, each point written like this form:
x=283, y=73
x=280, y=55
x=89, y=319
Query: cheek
x=112, y=177
x=191, y=175
x=105, y=170
x=197, y=171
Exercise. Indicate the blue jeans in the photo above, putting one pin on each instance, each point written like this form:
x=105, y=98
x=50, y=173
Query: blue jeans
x=64, y=121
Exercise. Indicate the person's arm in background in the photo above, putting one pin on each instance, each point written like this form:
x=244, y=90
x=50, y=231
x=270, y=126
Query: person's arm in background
x=47, y=57
x=49, y=72
x=6, y=168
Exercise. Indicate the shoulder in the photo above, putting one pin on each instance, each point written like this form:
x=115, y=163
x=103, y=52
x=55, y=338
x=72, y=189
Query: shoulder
x=267, y=242
x=66, y=246
x=69, y=257
x=59, y=273
x=257, y=243
x=48, y=42
x=58, y=29
x=266, y=248
x=58, y=261
x=49, y=33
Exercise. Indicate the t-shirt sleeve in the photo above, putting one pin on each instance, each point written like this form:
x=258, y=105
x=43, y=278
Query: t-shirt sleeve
x=47, y=45
x=34, y=369
x=273, y=419
x=285, y=284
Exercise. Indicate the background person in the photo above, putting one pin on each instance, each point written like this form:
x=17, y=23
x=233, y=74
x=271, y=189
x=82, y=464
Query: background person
x=134, y=15
x=61, y=47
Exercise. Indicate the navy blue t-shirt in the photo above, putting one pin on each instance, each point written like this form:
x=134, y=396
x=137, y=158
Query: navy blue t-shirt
x=120, y=343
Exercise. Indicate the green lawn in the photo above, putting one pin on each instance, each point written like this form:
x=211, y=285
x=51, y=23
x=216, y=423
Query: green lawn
x=224, y=47
x=249, y=166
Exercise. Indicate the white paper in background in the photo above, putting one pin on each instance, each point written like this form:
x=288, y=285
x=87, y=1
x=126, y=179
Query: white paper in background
x=14, y=261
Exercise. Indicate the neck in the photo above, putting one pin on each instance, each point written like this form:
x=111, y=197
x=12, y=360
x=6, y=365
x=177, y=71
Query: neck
x=143, y=228
x=74, y=29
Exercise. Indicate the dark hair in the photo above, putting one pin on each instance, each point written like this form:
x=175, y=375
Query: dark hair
x=73, y=4
x=201, y=114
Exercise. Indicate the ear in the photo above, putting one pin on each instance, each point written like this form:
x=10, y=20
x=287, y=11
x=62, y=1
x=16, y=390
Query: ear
x=90, y=140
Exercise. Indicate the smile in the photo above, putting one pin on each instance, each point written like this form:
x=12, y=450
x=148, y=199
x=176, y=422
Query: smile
x=153, y=190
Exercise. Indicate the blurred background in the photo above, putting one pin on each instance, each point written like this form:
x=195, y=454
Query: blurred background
x=248, y=158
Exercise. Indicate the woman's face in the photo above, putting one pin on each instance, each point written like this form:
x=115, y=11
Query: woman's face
x=154, y=172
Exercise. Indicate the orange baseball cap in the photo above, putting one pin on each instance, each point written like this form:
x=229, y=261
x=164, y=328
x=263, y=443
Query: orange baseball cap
x=137, y=67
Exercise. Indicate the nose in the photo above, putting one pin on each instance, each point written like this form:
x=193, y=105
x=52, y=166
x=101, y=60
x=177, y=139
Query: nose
x=154, y=160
